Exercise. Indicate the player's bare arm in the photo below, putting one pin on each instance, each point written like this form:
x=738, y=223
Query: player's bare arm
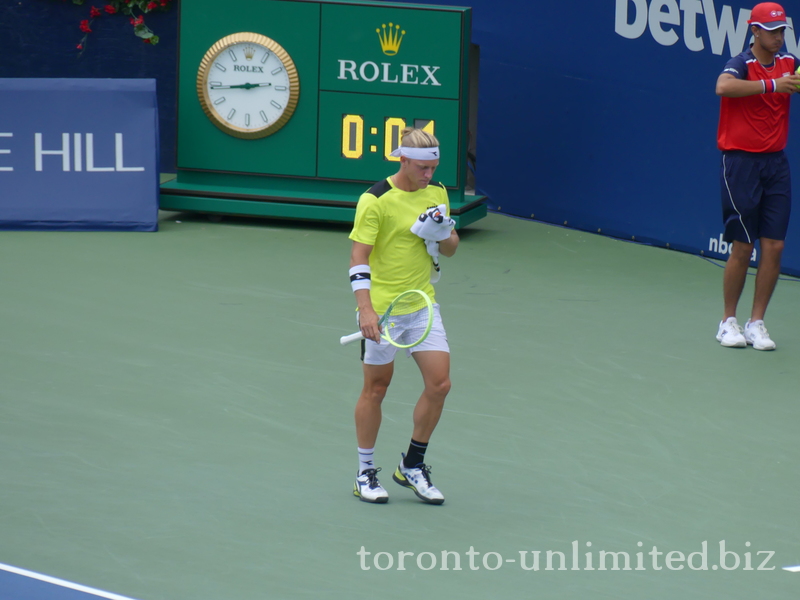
x=733, y=87
x=367, y=317
x=449, y=246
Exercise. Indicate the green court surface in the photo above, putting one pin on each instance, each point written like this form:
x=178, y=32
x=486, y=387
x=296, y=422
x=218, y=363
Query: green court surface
x=176, y=421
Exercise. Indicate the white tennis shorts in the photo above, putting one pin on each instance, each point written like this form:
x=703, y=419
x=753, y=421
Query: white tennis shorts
x=383, y=353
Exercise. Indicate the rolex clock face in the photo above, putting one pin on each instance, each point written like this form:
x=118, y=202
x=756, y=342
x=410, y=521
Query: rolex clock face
x=248, y=85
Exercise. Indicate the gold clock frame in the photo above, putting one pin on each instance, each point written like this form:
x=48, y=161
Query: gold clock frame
x=202, y=84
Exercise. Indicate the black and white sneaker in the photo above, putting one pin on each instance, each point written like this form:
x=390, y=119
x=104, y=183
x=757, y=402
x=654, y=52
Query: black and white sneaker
x=418, y=480
x=368, y=489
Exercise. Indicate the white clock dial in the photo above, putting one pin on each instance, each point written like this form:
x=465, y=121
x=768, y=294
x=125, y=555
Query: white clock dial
x=248, y=85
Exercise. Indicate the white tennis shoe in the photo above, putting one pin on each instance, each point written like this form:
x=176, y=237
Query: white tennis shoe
x=367, y=488
x=730, y=334
x=418, y=480
x=756, y=334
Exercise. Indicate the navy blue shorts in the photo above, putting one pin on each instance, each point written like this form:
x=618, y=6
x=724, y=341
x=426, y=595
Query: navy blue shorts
x=756, y=195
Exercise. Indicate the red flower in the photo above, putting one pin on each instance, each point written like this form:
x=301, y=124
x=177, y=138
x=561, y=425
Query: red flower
x=80, y=46
x=138, y=21
x=110, y=9
x=152, y=5
x=94, y=13
x=85, y=26
x=164, y=2
x=146, y=40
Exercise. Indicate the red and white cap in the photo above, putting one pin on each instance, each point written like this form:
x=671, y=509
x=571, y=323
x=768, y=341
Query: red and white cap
x=768, y=15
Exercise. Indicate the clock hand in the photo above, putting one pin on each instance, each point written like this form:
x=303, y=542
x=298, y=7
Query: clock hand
x=244, y=86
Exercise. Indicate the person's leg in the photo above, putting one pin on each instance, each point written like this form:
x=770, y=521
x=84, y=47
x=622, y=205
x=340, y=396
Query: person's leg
x=368, y=407
x=412, y=471
x=774, y=213
x=368, y=421
x=741, y=187
x=435, y=369
x=734, y=277
x=769, y=268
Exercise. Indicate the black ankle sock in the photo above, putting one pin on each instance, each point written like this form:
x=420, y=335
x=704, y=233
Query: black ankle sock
x=415, y=455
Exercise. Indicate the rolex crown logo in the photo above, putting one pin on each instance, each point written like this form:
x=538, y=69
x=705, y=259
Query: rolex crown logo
x=249, y=52
x=391, y=37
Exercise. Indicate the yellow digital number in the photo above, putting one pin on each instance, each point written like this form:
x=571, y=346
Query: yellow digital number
x=427, y=125
x=393, y=126
x=352, y=136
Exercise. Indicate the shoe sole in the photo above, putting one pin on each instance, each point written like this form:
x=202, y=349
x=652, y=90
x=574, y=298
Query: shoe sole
x=398, y=477
x=735, y=345
x=762, y=348
x=382, y=500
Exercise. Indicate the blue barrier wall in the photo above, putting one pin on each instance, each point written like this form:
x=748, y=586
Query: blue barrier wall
x=597, y=114
x=78, y=166
x=601, y=115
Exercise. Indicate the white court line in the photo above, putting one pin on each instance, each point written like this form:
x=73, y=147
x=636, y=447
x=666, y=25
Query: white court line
x=60, y=582
x=794, y=569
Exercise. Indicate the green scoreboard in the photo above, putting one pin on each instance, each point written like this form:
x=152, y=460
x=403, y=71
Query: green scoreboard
x=292, y=108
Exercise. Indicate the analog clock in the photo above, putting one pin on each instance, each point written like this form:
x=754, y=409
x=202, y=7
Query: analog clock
x=248, y=85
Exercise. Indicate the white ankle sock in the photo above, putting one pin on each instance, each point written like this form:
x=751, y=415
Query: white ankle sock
x=365, y=460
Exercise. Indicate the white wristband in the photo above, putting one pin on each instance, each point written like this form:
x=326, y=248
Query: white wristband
x=360, y=277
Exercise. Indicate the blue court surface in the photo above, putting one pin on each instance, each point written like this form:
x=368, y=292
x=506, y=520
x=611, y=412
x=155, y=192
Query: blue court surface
x=19, y=584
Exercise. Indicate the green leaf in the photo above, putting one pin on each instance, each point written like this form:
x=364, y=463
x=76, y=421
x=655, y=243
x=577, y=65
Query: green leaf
x=143, y=32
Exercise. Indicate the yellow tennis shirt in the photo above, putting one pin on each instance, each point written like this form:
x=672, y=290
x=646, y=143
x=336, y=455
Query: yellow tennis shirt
x=399, y=260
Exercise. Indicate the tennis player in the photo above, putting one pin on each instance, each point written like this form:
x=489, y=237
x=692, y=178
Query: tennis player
x=755, y=88
x=386, y=260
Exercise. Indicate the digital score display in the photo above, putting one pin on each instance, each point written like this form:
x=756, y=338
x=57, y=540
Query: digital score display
x=361, y=130
x=353, y=135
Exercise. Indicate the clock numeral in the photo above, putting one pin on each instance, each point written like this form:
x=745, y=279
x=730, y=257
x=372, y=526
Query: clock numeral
x=220, y=67
x=264, y=116
x=219, y=100
x=230, y=114
x=213, y=84
x=275, y=104
x=276, y=71
x=247, y=120
x=280, y=88
x=232, y=55
x=266, y=57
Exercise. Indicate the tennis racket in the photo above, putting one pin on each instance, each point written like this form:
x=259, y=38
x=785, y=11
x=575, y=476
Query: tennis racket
x=406, y=323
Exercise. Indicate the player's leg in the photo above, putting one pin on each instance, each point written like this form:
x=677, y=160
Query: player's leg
x=435, y=369
x=433, y=359
x=769, y=268
x=368, y=412
x=368, y=415
x=734, y=277
x=774, y=223
x=741, y=191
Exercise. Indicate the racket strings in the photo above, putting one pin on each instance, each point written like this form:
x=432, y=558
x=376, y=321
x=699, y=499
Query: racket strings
x=407, y=319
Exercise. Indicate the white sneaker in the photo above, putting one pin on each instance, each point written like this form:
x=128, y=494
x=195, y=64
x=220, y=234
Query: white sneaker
x=418, y=480
x=730, y=334
x=368, y=489
x=756, y=334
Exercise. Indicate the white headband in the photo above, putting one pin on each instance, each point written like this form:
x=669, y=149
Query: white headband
x=417, y=153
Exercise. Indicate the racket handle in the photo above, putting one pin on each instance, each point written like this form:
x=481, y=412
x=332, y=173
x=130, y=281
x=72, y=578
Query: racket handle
x=349, y=339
